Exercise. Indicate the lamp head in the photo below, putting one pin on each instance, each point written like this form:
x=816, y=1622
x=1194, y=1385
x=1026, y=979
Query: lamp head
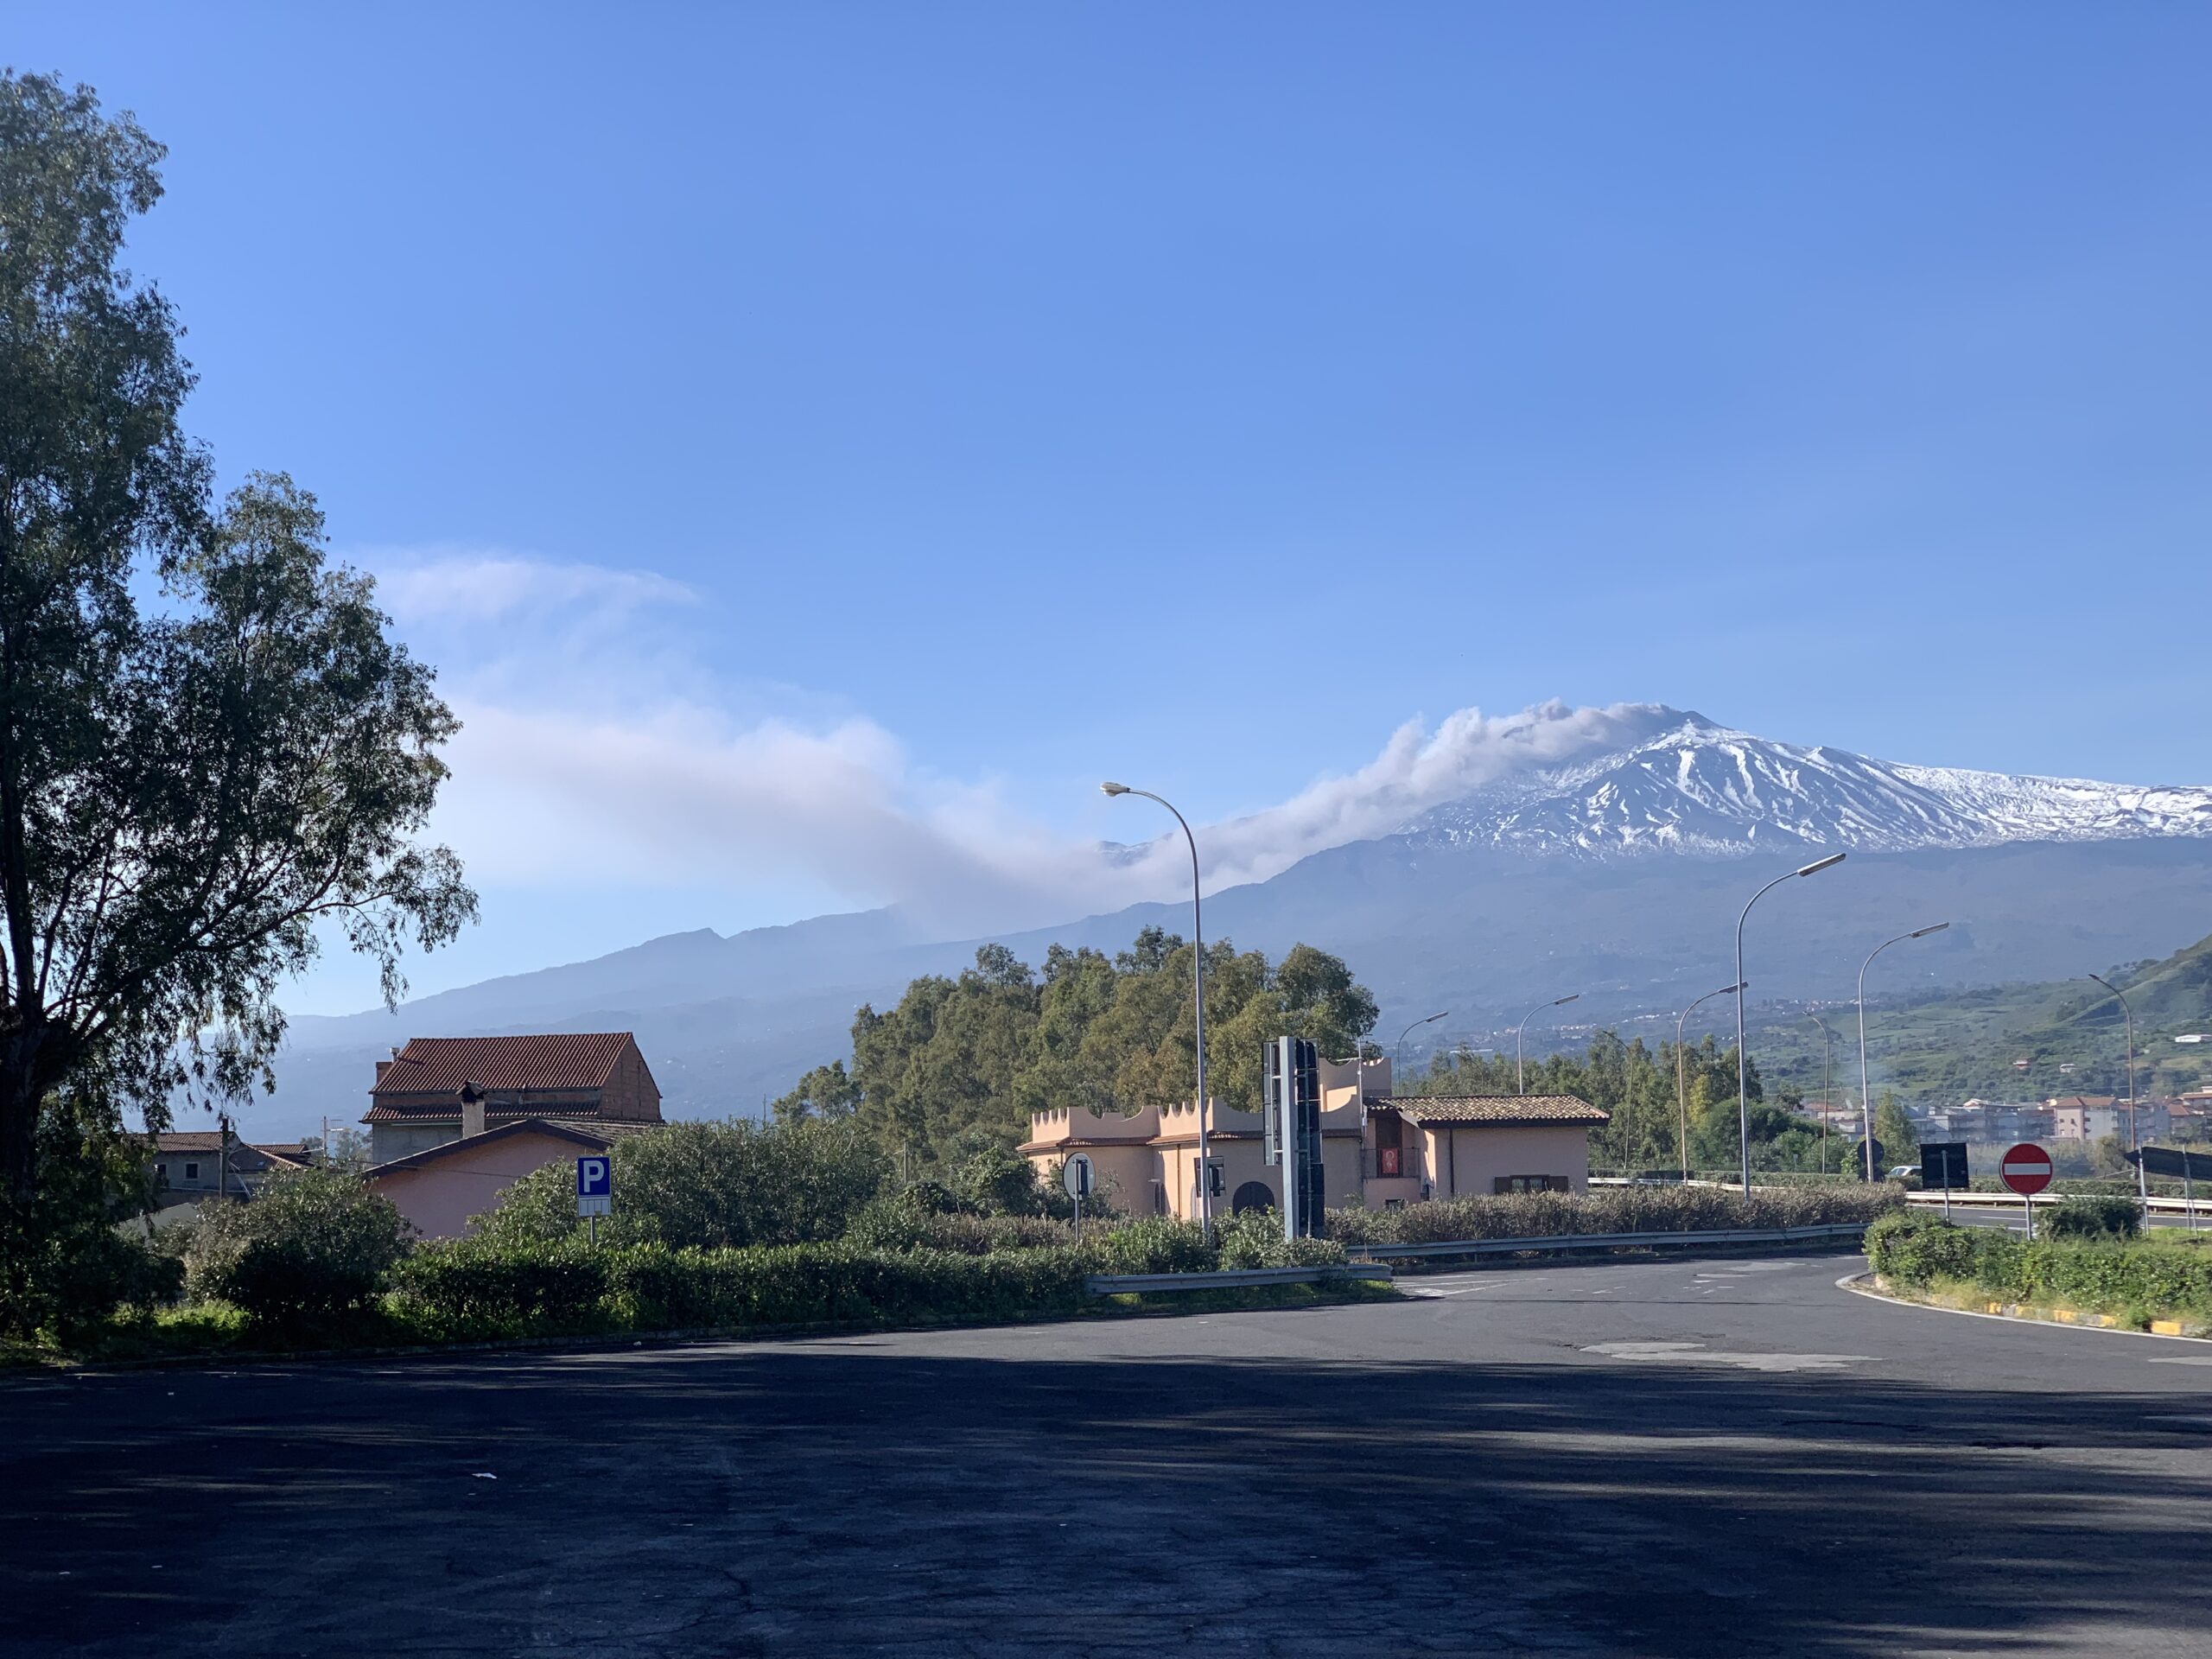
x=1113, y=789
x=1433, y=1018
x=1574, y=997
x=1922, y=933
x=1820, y=864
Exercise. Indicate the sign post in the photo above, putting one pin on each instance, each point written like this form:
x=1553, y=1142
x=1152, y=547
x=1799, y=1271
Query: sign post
x=1943, y=1163
x=1075, y=1176
x=2026, y=1170
x=595, y=1191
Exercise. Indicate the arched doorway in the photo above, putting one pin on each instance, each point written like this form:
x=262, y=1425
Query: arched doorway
x=1253, y=1195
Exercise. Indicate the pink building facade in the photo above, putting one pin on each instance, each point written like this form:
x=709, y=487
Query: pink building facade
x=1378, y=1150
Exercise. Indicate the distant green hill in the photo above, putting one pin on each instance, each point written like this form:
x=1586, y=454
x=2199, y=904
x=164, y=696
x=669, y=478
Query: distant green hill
x=1942, y=1049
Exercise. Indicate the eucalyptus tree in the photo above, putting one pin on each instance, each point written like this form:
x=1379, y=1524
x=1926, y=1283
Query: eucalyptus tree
x=211, y=751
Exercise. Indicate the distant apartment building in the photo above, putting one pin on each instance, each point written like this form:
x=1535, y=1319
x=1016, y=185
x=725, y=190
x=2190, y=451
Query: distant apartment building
x=1380, y=1149
x=2093, y=1117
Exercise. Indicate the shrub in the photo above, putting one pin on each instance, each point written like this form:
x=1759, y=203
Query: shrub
x=2141, y=1276
x=1916, y=1247
x=471, y=1287
x=2093, y=1218
x=311, y=1245
x=65, y=1268
x=1612, y=1209
x=709, y=1185
x=1254, y=1240
x=489, y=1288
x=1151, y=1244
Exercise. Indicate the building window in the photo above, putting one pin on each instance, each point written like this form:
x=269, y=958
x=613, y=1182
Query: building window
x=1216, y=1182
x=1530, y=1184
x=192, y=1171
x=1159, y=1199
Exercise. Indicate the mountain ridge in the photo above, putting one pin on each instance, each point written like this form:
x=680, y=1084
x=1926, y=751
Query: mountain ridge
x=1539, y=882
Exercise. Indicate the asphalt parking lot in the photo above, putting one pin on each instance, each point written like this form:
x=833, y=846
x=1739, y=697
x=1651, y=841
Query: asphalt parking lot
x=1658, y=1458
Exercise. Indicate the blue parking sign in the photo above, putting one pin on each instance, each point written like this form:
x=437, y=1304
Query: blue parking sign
x=595, y=1185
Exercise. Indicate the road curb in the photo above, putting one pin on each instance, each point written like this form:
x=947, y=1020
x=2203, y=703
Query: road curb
x=1862, y=1284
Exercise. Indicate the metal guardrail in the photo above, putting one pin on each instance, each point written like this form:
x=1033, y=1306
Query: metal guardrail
x=2012, y=1200
x=1115, y=1284
x=1824, y=1233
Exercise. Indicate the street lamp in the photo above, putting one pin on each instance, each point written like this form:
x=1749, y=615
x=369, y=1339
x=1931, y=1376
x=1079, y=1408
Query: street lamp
x=1681, y=1075
x=1742, y=1073
x=1520, y=1083
x=1198, y=995
x=1867, y=1100
x=1399, y=1072
x=1827, y=1085
x=2142, y=1180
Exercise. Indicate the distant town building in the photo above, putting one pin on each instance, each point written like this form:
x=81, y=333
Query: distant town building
x=581, y=1078
x=1383, y=1150
x=189, y=1165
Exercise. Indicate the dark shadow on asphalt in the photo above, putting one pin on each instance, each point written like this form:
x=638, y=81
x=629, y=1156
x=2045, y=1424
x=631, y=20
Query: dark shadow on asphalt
x=766, y=1500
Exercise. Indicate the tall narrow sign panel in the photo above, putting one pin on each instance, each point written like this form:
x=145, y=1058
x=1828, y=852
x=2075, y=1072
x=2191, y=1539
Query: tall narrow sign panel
x=1291, y=1113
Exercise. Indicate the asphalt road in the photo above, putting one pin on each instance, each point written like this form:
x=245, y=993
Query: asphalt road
x=1651, y=1458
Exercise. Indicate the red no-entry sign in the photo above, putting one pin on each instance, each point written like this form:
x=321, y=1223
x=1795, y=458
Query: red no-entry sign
x=2026, y=1169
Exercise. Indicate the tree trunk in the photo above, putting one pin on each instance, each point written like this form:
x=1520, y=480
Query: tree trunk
x=29, y=1066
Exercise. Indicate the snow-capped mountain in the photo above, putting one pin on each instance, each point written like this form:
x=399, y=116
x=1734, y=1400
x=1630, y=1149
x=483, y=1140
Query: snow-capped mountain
x=1693, y=787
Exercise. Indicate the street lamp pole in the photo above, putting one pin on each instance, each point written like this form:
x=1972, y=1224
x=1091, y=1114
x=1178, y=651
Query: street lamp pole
x=1827, y=1083
x=2134, y=1144
x=1198, y=995
x=1399, y=1071
x=1681, y=1075
x=1743, y=1071
x=1520, y=1082
x=1867, y=1100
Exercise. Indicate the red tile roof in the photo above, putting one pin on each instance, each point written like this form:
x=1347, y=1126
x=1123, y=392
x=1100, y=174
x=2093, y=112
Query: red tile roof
x=1503, y=1110
x=191, y=1141
x=505, y=1064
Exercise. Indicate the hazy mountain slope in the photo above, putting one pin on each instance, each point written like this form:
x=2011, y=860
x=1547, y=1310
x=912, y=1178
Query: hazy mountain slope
x=1618, y=876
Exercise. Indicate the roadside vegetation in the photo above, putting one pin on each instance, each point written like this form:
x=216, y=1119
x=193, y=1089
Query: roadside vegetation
x=2089, y=1256
x=742, y=1226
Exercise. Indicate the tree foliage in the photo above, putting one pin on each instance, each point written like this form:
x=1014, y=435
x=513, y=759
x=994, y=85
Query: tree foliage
x=707, y=1184
x=314, y=1245
x=210, y=749
x=965, y=1061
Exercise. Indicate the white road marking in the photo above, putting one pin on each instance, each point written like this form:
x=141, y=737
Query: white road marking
x=1696, y=1353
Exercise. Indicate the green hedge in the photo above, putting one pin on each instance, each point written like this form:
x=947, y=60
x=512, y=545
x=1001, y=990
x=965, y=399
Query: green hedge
x=475, y=1289
x=1612, y=1209
x=2148, y=1278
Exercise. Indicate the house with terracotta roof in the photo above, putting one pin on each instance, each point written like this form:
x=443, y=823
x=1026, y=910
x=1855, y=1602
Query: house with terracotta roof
x=1377, y=1148
x=435, y=1088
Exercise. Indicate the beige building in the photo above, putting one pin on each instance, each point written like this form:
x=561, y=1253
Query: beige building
x=1376, y=1148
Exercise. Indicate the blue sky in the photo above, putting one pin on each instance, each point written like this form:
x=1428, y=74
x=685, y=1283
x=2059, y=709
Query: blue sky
x=812, y=438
